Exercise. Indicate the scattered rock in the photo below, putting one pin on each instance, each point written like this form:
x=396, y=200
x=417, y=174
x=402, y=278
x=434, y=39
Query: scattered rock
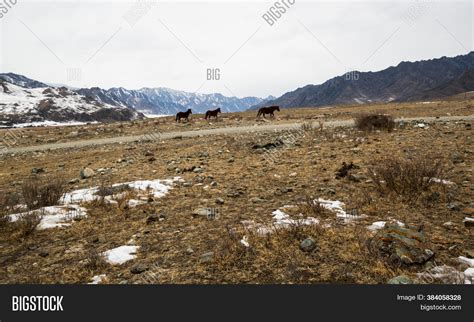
x=213, y=184
x=37, y=170
x=454, y=206
x=152, y=218
x=138, y=268
x=402, y=245
x=468, y=222
x=230, y=160
x=206, y=257
x=469, y=253
x=149, y=154
x=344, y=170
x=43, y=253
x=203, y=212
x=457, y=158
x=308, y=245
x=189, y=251
x=74, y=181
x=256, y=200
x=355, y=177
x=401, y=279
x=87, y=173
x=219, y=201
x=268, y=146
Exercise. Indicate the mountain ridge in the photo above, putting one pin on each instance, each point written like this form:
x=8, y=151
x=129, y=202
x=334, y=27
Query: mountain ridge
x=407, y=81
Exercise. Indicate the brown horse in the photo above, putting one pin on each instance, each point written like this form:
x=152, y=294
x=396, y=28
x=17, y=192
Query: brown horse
x=212, y=113
x=183, y=115
x=268, y=110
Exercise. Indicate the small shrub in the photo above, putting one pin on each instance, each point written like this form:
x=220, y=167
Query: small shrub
x=45, y=192
x=8, y=205
x=373, y=122
x=94, y=260
x=311, y=207
x=27, y=222
x=307, y=126
x=406, y=177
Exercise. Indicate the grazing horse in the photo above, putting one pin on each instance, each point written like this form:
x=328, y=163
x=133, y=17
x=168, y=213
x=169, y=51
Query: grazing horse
x=268, y=110
x=183, y=115
x=212, y=113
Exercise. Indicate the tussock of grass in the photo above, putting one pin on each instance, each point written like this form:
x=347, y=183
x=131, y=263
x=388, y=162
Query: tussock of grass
x=43, y=192
x=373, y=122
x=406, y=177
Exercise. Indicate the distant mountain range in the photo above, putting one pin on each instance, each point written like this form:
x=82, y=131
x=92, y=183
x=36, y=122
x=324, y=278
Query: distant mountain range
x=24, y=100
x=169, y=101
x=408, y=81
x=160, y=100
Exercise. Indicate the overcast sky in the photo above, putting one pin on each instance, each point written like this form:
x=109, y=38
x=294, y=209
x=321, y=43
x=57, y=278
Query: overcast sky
x=110, y=44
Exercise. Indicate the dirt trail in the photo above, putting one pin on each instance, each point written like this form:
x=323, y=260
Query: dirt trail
x=227, y=130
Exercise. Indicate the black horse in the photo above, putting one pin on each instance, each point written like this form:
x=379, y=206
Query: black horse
x=212, y=113
x=183, y=115
x=268, y=110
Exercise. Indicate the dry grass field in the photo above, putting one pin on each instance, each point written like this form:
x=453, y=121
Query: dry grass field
x=215, y=223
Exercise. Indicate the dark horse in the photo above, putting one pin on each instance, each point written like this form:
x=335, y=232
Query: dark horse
x=212, y=113
x=268, y=110
x=183, y=115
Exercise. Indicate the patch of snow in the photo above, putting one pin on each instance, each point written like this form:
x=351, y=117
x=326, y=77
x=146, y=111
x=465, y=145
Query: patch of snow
x=51, y=124
x=98, y=279
x=381, y=224
x=244, y=241
x=446, y=182
x=336, y=206
x=121, y=254
x=280, y=220
x=158, y=188
x=54, y=216
x=469, y=276
x=465, y=260
x=153, y=116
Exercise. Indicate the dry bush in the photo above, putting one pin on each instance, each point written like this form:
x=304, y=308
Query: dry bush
x=373, y=122
x=94, y=260
x=8, y=205
x=43, y=192
x=307, y=126
x=310, y=207
x=27, y=222
x=406, y=177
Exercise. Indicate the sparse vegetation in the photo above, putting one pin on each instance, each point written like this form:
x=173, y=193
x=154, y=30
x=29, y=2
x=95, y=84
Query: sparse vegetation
x=42, y=192
x=373, y=122
x=407, y=177
x=27, y=222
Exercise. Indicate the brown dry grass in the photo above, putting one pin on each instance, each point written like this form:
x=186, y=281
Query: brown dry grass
x=407, y=177
x=373, y=122
x=308, y=167
x=43, y=191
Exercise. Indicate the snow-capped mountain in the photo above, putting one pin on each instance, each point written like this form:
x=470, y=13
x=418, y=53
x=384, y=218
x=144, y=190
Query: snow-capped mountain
x=159, y=100
x=168, y=101
x=21, y=105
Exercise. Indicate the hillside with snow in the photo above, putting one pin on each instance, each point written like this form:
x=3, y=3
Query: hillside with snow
x=43, y=105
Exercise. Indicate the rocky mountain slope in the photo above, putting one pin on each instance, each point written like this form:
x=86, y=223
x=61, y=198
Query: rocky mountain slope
x=22, y=105
x=407, y=81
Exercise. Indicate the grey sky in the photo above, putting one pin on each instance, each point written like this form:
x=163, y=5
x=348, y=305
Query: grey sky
x=174, y=43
